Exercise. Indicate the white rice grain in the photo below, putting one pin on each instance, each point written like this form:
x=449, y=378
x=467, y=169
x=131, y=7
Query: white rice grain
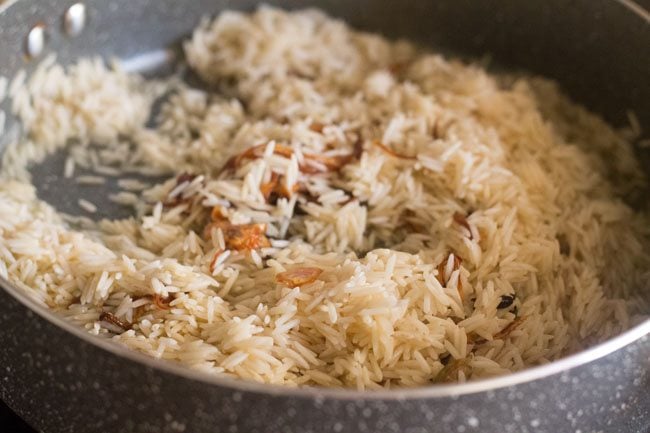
x=87, y=206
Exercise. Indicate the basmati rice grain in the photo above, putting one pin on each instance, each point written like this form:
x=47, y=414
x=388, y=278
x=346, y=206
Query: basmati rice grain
x=87, y=206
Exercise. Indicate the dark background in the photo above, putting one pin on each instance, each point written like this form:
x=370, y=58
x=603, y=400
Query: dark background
x=10, y=423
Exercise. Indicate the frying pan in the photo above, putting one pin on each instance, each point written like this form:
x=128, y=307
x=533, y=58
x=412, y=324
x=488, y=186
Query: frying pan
x=61, y=379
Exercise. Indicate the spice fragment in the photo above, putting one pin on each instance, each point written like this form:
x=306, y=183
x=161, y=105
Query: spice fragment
x=179, y=199
x=213, y=262
x=255, y=152
x=443, y=278
x=331, y=163
x=505, y=332
x=391, y=152
x=276, y=187
x=461, y=220
x=239, y=237
x=216, y=214
x=397, y=68
x=111, y=318
x=450, y=372
x=157, y=300
x=506, y=301
x=161, y=302
x=299, y=276
x=246, y=237
x=317, y=127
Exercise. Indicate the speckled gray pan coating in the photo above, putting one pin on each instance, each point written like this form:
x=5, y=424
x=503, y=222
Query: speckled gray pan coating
x=598, y=50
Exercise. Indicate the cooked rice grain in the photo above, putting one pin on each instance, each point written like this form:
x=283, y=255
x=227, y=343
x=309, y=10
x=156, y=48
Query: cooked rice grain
x=87, y=206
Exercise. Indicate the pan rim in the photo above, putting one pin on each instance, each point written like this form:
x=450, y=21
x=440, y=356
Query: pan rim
x=530, y=374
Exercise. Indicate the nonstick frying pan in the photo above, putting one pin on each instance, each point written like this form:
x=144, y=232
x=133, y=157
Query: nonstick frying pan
x=61, y=379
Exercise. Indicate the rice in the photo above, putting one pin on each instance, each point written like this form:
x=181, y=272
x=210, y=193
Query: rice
x=124, y=198
x=133, y=184
x=356, y=213
x=90, y=180
x=87, y=206
x=3, y=88
x=68, y=168
x=635, y=125
x=106, y=171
